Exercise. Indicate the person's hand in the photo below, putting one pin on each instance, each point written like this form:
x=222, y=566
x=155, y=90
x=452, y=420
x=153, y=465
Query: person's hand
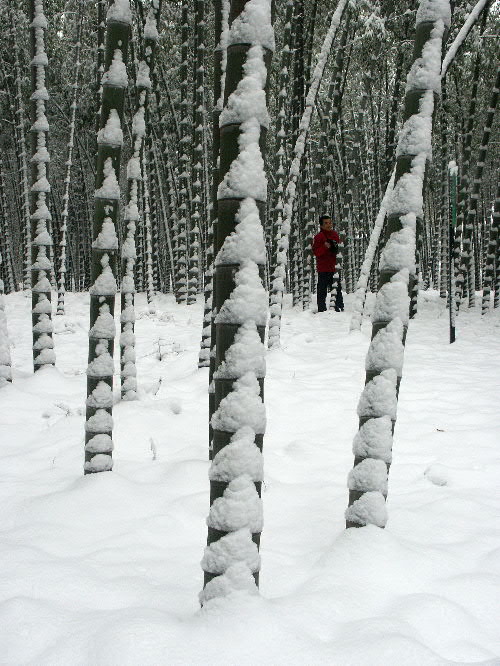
x=327, y=244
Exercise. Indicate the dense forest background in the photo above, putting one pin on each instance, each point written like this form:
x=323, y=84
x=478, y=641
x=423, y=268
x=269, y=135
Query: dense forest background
x=348, y=159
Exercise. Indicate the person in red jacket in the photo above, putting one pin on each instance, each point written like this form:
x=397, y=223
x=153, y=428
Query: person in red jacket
x=325, y=245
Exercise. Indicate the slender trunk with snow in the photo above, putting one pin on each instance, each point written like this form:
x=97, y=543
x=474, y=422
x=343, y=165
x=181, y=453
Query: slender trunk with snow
x=491, y=256
x=231, y=560
x=41, y=266
x=377, y=407
x=461, y=243
x=220, y=61
x=293, y=175
x=282, y=124
x=20, y=126
x=184, y=219
x=5, y=361
x=99, y=422
x=480, y=8
x=197, y=212
x=7, y=266
x=466, y=266
x=443, y=207
x=69, y=163
x=132, y=217
x=364, y=276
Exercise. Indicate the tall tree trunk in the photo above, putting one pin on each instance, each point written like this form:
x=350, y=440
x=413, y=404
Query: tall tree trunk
x=463, y=192
x=184, y=218
x=222, y=9
x=43, y=345
x=194, y=273
x=134, y=175
x=384, y=362
x=231, y=559
x=466, y=267
x=491, y=255
x=7, y=266
x=19, y=126
x=69, y=164
x=5, y=361
x=99, y=422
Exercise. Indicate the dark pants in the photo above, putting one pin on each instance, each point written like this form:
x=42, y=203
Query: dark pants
x=325, y=284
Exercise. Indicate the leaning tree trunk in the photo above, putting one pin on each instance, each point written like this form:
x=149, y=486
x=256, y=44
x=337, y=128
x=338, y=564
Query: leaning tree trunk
x=231, y=559
x=41, y=241
x=99, y=422
x=384, y=362
x=364, y=274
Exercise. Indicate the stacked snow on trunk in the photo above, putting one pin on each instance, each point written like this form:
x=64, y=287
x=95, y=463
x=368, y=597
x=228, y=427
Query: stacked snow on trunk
x=377, y=407
x=280, y=237
x=5, y=362
x=99, y=404
x=231, y=561
x=183, y=219
x=69, y=163
x=41, y=266
x=207, y=347
x=199, y=156
x=132, y=217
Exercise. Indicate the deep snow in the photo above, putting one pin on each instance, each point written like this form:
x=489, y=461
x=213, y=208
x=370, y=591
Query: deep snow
x=104, y=569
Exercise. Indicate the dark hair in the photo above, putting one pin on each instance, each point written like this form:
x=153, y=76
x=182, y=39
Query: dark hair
x=322, y=218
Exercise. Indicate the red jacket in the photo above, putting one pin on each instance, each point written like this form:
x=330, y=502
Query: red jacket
x=325, y=259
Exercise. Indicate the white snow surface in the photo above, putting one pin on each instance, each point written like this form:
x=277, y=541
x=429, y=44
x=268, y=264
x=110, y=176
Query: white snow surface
x=105, y=569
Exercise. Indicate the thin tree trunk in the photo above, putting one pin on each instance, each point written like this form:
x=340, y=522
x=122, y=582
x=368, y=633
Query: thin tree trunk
x=69, y=164
x=99, y=422
x=43, y=345
x=466, y=268
x=491, y=255
x=20, y=125
x=7, y=267
x=134, y=175
x=5, y=360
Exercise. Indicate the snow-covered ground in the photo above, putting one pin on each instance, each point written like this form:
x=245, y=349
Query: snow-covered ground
x=104, y=569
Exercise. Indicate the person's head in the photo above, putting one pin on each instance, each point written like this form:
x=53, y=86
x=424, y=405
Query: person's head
x=325, y=223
